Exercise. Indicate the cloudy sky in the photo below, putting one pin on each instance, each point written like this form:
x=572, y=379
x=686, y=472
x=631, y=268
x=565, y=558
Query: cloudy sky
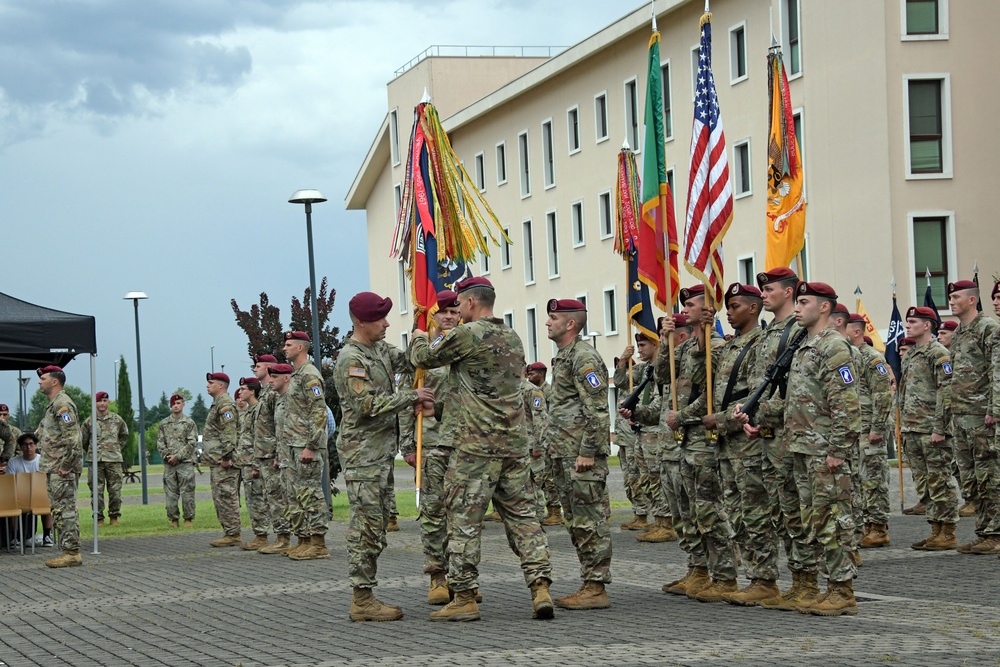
x=152, y=145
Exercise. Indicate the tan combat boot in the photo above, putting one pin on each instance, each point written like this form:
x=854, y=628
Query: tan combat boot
x=966, y=510
x=258, y=542
x=492, y=516
x=678, y=584
x=554, y=518
x=316, y=549
x=301, y=545
x=282, y=543
x=662, y=531
x=100, y=522
x=174, y=524
x=462, y=608
x=638, y=523
x=967, y=547
x=591, y=596
x=541, y=601
x=990, y=545
x=438, y=593
x=188, y=523
x=751, y=596
x=392, y=526
x=838, y=601
x=226, y=541
x=877, y=537
x=855, y=556
x=114, y=521
x=366, y=607
x=717, y=592
x=697, y=583
x=935, y=530
x=782, y=600
x=68, y=559
x=808, y=596
x=945, y=539
x=917, y=510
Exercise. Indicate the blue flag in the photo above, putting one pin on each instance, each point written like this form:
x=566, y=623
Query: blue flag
x=892, y=340
x=639, y=309
x=929, y=303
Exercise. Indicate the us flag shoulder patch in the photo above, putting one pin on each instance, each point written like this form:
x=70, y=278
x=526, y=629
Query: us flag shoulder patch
x=357, y=372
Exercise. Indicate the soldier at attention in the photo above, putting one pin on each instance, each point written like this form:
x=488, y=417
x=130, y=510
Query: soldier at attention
x=112, y=434
x=176, y=440
x=219, y=444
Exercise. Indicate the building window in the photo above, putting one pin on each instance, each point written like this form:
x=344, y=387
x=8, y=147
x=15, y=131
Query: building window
x=931, y=250
x=508, y=319
x=668, y=117
x=404, y=338
x=928, y=126
x=573, y=129
x=611, y=311
x=604, y=208
x=501, y=163
x=738, y=53
x=741, y=165
x=601, y=116
x=799, y=125
x=585, y=331
x=747, y=272
x=397, y=198
x=480, y=175
x=632, y=114
x=394, y=136
x=531, y=342
x=924, y=19
x=484, y=263
x=576, y=215
x=548, y=159
x=529, y=253
x=404, y=291
x=525, y=164
x=791, y=28
x=505, y=249
x=552, y=236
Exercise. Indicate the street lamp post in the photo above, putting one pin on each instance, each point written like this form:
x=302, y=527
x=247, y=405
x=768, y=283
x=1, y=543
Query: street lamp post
x=593, y=337
x=115, y=363
x=135, y=296
x=22, y=396
x=213, y=358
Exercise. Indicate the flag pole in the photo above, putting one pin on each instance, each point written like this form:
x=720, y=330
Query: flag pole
x=419, y=428
x=711, y=433
x=857, y=299
x=899, y=432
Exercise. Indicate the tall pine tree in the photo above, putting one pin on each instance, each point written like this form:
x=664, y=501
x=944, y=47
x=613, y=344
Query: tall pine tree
x=130, y=452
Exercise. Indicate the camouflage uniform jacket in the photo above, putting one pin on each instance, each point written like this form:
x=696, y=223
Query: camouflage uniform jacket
x=306, y=410
x=670, y=447
x=692, y=401
x=875, y=391
x=994, y=375
x=436, y=380
x=536, y=416
x=112, y=434
x=624, y=435
x=9, y=439
x=59, y=436
x=264, y=441
x=221, y=431
x=822, y=409
x=971, y=360
x=924, y=392
x=649, y=396
x=485, y=411
x=579, y=421
x=733, y=442
x=177, y=437
x=770, y=410
x=244, y=449
x=365, y=381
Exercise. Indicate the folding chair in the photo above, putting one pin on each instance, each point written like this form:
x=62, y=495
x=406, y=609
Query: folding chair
x=23, y=492
x=40, y=505
x=8, y=504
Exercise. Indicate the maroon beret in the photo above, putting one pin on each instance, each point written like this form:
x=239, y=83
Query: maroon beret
x=869, y=342
x=820, y=289
x=777, y=273
x=922, y=312
x=537, y=366
x=680, y=320
x=265, y=359
x=369, y=306
x=47, y=369
x=447, y=299
x=736, y=289
x=221, y=377
x=281, y=369
x=960, y=285
x=176, y=397
x=565, y=306
x=640, y=336
x=907, y=341
x=469, y=283
x=857, y=318
x=101, y=395
x=689, y=292
x=249, y=382
x=4, y=408
x=996, y=290
x=298, y=335
x=950, y=325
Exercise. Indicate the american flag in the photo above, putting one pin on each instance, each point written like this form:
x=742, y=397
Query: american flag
x=710, y=195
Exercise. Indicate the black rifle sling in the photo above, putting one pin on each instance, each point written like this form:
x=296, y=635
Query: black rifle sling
x=734, y=374
x=780, y=385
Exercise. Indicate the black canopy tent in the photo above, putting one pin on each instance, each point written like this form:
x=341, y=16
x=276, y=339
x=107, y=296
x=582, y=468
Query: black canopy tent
x=32, y=336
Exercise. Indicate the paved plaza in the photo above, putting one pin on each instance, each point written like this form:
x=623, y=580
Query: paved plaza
x=175, y=601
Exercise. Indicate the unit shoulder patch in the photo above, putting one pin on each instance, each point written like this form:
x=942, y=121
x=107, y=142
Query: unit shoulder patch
x=846, y=375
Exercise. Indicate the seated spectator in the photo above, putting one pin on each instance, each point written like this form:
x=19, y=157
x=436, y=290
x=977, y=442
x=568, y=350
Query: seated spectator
x=28, y=462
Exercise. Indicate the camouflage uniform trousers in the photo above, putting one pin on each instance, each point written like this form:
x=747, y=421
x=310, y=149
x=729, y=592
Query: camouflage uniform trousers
x=393, y=513
x=918, y=468
x=583, y=496
x=702, y=484
x=256, y=501
x=935, y=464
x=536, y=466
x=680, y=505
x=827, y=515
x=226, y=496
x=471, y=481
x=110, y=474
x=965, y=456
x=62, y=498
x=973, y=437
x=275, y=496
x=307, y=505
x=874, y=482
x=786, y=512
x=178, y=485
x=433, y=513
x=632, y=478
x=549, y=488
x=649, y=452
x=857, y=503
x=748, y=504
x=368, y=496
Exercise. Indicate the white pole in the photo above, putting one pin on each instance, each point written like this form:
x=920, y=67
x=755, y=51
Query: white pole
x=93, y=450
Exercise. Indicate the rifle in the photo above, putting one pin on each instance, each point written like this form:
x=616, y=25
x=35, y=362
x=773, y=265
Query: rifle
x=775, y=373
x=632, y=400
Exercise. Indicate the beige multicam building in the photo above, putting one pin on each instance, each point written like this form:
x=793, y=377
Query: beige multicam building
x=892, y=102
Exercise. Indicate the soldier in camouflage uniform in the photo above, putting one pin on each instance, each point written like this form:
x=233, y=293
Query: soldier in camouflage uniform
x=176, y=440
x=253, y=483
x=484, y=419
x=367, y=443
x=872, y=469
x=266, y=453
x=112, y=434
x=972, y=421
x=8, y=438
x=62, y=462
x=634, y=475
x=578, y=441
x=536, y=372
x=305, y=434
x=924, y=393
x=219, y=443
x=536, y=416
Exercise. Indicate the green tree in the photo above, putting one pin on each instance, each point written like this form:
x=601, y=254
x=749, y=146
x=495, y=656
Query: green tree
x=130, y=452
x=199, y=412
x=159, y=411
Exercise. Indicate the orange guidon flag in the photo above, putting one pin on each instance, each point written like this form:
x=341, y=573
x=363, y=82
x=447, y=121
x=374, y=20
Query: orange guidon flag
x=870, y=329
x=786, y=206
